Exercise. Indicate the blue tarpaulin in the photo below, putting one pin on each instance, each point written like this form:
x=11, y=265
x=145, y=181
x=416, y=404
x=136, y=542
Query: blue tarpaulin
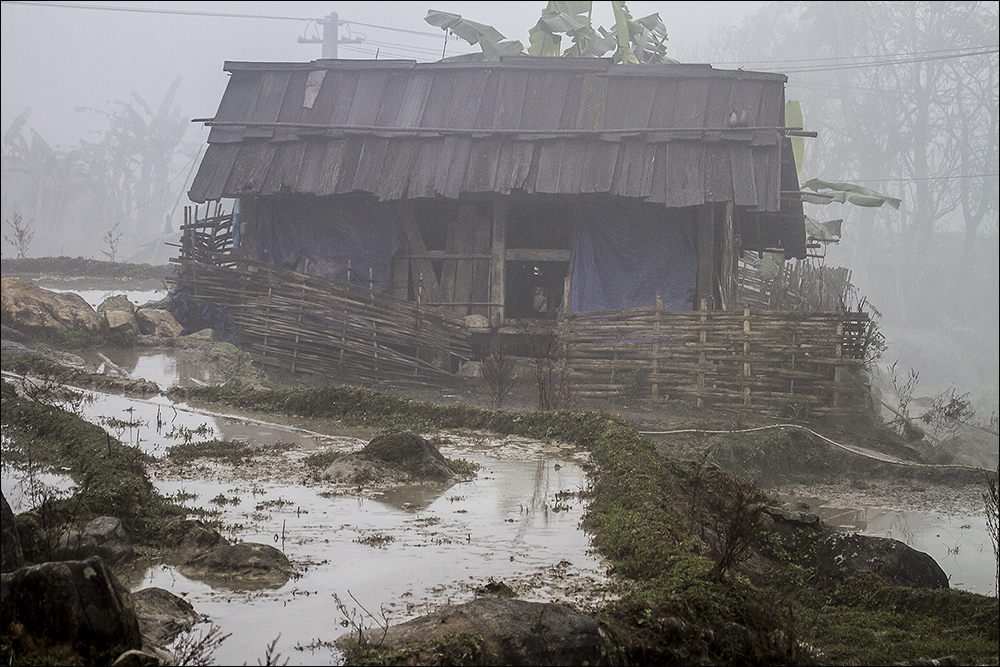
x=651, y=251
x=311, y=236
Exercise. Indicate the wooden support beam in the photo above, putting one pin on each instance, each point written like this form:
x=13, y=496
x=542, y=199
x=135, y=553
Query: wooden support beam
x=498, y=274
x=431, y=290
x=705, y=230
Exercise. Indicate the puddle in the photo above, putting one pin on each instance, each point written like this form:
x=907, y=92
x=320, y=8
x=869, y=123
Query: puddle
x=959, y=542
x=518, y=522
x=96, y=296
x=511, y=524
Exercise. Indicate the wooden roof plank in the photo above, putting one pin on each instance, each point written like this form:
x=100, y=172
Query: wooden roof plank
x=210, y=181
x=237, y=103
x=250, y=167
x=291, y=105
x=371, y=161
x=741, y=167
x=270, y=97
x=285, y=166
x=411, y=108
x=685, y=174
x=484, y=159
x=510, y=100
x=366, y=103
x=599, y=165
x=718, y=174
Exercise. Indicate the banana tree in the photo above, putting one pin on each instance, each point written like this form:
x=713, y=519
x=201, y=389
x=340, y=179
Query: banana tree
x=632, y=41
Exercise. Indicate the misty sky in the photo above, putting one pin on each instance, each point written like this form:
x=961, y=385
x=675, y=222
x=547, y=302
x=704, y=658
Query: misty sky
x=56, y=58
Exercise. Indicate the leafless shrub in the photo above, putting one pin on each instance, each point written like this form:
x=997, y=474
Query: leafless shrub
x=991, y=499
x=904, y=387
x=735, y=515
x=45, y=389
x=551, y=375
x=200, y=648
x=361, y=622
x=948, y=412
x=498, y=371
x=271, y=657
x=21, y=234
x=112, y=238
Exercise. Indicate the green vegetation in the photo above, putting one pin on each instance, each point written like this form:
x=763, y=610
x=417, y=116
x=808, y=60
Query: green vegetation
x=233, y=452
x=652, y=517
x=87, y=268
x=646, y=514
x=110, y=476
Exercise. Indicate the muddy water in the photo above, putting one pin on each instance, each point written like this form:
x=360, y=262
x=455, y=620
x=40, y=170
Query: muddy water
x=399, y=554
x=960, y=543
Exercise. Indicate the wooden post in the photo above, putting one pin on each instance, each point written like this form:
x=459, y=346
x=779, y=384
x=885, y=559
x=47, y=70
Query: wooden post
x=702, y=362
x=705, y=231
x=655, y=386
x=838, y=370
x=791, y=384
x=498, y=274
x=728, y=270
x=746, y=356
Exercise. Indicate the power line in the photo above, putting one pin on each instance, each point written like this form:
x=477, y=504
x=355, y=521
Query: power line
x=150, y=10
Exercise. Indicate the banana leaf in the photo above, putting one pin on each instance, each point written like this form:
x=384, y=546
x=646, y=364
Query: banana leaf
x=828, y=191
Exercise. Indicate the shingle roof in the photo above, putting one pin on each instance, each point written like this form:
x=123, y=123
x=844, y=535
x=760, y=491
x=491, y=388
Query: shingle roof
x=399, y=129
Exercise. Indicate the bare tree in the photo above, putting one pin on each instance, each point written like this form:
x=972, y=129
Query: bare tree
x=21, y=234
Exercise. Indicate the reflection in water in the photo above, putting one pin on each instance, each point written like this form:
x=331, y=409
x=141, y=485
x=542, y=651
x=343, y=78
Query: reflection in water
x=959, y=543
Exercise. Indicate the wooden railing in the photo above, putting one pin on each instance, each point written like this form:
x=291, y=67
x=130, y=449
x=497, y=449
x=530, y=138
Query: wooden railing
x=774, y=361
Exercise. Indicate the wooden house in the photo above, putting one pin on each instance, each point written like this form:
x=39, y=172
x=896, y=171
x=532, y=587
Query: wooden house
x=386, y=208
x=512, y=189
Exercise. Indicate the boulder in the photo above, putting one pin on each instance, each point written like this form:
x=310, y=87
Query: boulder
x=245, y=563
x=207, y=334
x=162, y=615
x=505, y=631
x=121, y=322
x=11, y=555
x=104, y=536
x=25, y=306
x=190, y=535
x=393, y=459
x=158, y=323
x=844, y=555
x=69, y=612
x=116, y=302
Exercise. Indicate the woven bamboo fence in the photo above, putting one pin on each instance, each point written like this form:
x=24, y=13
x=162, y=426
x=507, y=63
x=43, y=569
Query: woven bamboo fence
x=769, y=361
x=348, y=334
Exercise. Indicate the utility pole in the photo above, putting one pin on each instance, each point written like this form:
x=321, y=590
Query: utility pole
x=331, y=38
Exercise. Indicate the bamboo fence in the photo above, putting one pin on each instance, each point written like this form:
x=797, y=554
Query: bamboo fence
x=763, y=360
x=306, y=324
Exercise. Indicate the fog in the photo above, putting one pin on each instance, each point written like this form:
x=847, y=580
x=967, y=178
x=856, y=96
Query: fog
x=75, y=75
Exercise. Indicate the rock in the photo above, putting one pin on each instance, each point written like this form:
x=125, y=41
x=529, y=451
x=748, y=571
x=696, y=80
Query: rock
x=507, y=632
x=205, y=334
x=842, y=555
x=117, y=302
x=103, y=536
x=190, y=535
x=121, y=322
x=393, y=459
x=71, y=612
x=246, y=562
x=162, y=615
x=11, y=555
x=25, y=306
x=158, y=323
x=477, y=322
x=470, y=369
x=10, y=335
